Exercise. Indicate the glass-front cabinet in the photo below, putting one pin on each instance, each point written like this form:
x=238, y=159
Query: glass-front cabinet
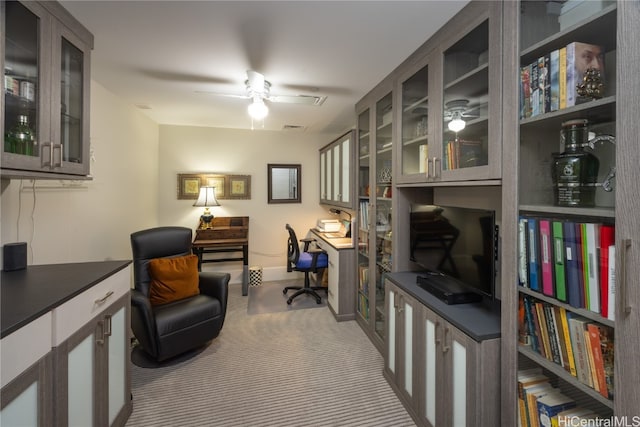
x=45, y=91
x=336, y=160
x=450, y=98
x=375, y=173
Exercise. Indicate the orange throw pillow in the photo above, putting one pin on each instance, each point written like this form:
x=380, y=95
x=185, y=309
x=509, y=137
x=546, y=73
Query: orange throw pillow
x=173, y=279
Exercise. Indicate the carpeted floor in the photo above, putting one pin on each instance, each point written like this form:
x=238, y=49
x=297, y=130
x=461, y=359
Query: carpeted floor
x=294, y=368
x=268, y=298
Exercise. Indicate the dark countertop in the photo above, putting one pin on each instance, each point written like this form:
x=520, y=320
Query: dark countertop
x=481, y=321
x=27, y=294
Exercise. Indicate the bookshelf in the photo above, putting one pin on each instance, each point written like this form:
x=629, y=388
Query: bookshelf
x=533, y=30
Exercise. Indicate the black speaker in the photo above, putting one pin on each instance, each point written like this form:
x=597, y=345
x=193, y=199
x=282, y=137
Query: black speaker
x=15, y=256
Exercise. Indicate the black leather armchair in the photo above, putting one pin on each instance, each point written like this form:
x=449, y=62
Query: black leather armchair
x=167, y=330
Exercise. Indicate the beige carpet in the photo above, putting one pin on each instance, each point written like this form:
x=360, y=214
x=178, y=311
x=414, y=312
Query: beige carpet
x=268, y=298
x=294, y=368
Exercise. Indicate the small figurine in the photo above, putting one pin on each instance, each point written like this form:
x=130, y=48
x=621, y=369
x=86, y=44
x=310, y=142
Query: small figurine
x=591, y=86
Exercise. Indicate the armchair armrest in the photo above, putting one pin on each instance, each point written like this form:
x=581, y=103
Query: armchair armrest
x=143, y=322
x=215, y=285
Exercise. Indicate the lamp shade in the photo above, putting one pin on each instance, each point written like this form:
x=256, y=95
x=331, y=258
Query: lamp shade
x=257, y=109
x=207, y=197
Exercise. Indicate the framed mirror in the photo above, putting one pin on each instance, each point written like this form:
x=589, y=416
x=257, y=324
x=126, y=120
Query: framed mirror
x=283, y=183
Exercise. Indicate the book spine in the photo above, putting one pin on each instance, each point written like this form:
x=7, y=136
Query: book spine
x=596, y=350
x=553, y=335
x=544, y=331
x=531, y=324
x=592, y=273
x=525, y=92
x=571, y=263
x=562, y=77
x=546, y=258
x=571, y=75
x=535, y=90
x=546, y=63
x=554, y=76
x=611, y=311
x=558, y=262
x=534, y=257
x=523, y=272
x=607, y=238
x=583, y=371
x=592, y=365
x=580, y=258
x=564, y=321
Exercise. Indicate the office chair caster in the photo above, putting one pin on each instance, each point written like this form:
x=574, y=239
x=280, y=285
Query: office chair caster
x=289, y=300
x=319, y=300
x=284, y=291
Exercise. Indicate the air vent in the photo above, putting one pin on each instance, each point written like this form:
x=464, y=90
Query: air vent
x=294, y=127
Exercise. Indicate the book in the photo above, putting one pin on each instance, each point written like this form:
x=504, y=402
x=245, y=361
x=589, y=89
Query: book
x=562, y=344
x=525, y=379
x=596, y=351
x=543, y=76
x=423, y=151
x=611, y=311
x=554, y=342
x=523, y=329
x=546, y=61
x=571, y=263
x=544, y=330
x=566, y=336
x=552, y=404
x=562, y=77
x=554, y=83
x=580, y=259
x=577, y=327
x=592, y=365
x=523, y=271
x=525, y=92
x=607, y=348
x=560, y=285
x=607, y=239
x=534, y=257
x=535, y=90
x=591, y=265
x=546, y=258
x=534, y=335
x=576, y=66
x=531, y=395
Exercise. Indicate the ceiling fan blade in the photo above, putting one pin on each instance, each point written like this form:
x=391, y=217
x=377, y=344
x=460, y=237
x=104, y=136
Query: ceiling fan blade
x=227, y=95
x=298, y=99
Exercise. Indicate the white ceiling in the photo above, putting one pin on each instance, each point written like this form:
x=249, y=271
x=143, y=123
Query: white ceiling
x=161, y=53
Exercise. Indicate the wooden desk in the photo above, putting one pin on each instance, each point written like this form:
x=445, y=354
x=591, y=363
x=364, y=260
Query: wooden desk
x=228, y=235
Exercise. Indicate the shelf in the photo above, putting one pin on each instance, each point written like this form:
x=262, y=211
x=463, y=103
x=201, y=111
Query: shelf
x=599, y=212
x=422, y=138
x=469, y=85
x=600, y=110
x=560, y=372
x=581, y=311
x=421, y=103
x=594, y=30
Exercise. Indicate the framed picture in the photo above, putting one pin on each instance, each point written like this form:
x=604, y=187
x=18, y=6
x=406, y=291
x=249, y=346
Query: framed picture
x=188, y=186
x=239, y=186
x=227, y=186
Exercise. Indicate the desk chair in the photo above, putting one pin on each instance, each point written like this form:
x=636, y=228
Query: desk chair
x=307, y=261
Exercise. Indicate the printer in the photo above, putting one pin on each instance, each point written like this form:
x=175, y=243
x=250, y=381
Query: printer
x=328, y=225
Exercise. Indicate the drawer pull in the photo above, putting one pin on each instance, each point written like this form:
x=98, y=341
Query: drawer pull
x=104, y=298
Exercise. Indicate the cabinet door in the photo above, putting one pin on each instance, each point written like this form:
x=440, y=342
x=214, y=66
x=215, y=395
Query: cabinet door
x=364, y=218
x=116, y=365
x=323, y=177
x=27, y=75
x=471, y=93
x=69, y=108
x=26, y=401
x=430, y=330
x=458, y=350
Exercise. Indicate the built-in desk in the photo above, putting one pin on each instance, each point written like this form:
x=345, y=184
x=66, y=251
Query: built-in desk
x=341, y=281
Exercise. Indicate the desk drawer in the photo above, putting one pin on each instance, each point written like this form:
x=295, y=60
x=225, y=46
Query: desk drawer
x=78, y=311
x=221, y=234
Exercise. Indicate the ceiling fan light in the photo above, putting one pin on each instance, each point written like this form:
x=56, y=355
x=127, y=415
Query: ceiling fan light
x=456, y=124
x=258, y=110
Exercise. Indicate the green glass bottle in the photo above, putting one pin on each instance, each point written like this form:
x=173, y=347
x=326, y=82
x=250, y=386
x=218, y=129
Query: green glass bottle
x=575, y=171
x=22, y=137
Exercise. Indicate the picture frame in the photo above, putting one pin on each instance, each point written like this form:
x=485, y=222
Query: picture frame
x=239, y=187
x=227, y=186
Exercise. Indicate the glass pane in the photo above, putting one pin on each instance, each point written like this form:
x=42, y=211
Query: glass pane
x=459, y=384
x=408, y=348
x=71, y=116
x=363, y=208
x=335, y=167
x=21, y=80
x=23, y=410
x=391, y=359
x=384, y=142
x=466, y=95
x=117, y=363
x=415, y=113
x=80, y=381
x=323, y=175
x=430, y=372
x=345, y=170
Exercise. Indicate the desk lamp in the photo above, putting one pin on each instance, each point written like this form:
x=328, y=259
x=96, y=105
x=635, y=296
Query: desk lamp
x=206, y=198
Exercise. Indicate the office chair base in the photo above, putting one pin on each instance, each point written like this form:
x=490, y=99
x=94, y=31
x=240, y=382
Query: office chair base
x=304, y=290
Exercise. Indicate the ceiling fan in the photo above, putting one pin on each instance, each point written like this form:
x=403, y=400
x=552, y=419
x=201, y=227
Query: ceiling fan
x=456, y=111
x=258, y=89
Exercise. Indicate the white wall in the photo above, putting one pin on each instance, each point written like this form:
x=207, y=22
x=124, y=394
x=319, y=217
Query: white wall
x=244, y=152
x=93, y=221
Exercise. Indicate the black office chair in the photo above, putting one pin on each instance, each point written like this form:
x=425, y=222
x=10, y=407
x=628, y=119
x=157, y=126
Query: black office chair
x=167, y=330
x=307, y=261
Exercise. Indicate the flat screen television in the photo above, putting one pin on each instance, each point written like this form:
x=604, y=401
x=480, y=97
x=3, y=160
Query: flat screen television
x=456, y=242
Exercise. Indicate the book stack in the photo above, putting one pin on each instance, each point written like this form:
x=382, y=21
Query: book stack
x=462, y=153
x=573, y=262
x=550, y=82
x=541, y=404
x=582, y=347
